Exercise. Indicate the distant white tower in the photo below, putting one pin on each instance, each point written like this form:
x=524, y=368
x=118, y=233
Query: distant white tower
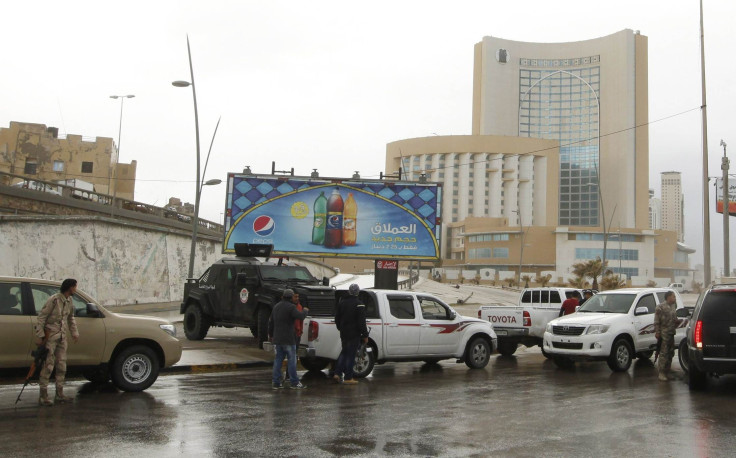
x=672, y=204
x=655, y=211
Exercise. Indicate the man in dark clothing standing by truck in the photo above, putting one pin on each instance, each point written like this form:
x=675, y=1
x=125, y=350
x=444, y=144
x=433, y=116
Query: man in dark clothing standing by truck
x=350, y=321
x=281, y=331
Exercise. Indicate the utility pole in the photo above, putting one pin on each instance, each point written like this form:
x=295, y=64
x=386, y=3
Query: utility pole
x=726, y=213
x=706, y=209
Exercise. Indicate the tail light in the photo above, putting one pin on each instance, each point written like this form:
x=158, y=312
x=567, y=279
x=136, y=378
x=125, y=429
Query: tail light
x=313, y=331
x=527, y=319
x=478, y=313
x=698, y=334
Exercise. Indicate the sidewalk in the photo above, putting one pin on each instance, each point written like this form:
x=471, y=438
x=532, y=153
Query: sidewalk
x=223, y=349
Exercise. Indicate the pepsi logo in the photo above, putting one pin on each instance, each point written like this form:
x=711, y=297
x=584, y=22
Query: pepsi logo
x=264, y=225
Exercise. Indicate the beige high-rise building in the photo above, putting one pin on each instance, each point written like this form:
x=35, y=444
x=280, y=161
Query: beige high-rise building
x=672, y=204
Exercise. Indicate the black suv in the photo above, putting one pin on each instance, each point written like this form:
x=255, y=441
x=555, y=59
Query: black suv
x=241, y=291
x=711, y=335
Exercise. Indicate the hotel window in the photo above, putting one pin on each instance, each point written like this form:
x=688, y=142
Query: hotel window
x=87, y=167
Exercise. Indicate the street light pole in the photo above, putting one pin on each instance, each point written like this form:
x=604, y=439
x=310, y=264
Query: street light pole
x=195, y=219
x=706, y=209
x=726, y=213
x=110, y=173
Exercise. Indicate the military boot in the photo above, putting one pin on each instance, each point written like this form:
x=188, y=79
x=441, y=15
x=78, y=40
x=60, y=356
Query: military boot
x=60, y=395
x=663, y=376
x=43, y=398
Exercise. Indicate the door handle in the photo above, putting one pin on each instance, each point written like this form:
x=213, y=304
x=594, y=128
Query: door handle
x=393, y=325
x=426, y=326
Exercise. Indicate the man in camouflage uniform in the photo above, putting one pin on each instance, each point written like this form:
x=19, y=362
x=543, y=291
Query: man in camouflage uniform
x=55, y=323
x=665, y=325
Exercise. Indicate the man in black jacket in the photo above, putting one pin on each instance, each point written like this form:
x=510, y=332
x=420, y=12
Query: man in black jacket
x=350, y=321
x=281, y=331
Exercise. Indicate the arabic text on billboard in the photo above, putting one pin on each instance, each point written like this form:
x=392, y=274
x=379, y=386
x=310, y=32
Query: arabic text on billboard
x=731, y=196
x=352, y=219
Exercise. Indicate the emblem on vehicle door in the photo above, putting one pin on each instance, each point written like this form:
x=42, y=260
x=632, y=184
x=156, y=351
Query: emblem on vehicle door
x=243, y=295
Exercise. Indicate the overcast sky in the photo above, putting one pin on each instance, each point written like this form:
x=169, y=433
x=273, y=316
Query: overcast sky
x=327, y=84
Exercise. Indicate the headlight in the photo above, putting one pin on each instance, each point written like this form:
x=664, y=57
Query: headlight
x=597, y=329
x=549, y=328
x=169, y=328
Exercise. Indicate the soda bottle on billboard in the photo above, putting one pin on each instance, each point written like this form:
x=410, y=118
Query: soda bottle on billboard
x=333, y=230
x=320, y=215
x=350, y=221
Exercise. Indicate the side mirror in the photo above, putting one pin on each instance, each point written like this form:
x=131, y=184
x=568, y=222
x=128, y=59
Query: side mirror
x=641, y=311
x=453, y=314
x=93, y=311
x=325, y=281
x=684, y=312
x=241, y=279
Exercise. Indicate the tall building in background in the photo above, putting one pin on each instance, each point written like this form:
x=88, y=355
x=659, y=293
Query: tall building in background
x=587, y=95
x=655, y=211
x=672, y=204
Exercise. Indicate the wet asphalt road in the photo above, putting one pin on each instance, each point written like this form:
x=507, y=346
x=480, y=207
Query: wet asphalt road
x=519, y=406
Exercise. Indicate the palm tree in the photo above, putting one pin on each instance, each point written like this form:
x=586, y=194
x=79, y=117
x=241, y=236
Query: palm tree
x=591, y=269
x=543, y=279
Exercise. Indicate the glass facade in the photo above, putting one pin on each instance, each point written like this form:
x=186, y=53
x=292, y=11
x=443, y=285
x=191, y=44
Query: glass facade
x=563, y=105
x=628, y=271
x=611, y=254
x=488, y=238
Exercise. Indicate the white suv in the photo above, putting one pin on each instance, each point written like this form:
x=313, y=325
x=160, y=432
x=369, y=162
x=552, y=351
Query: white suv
x=613, y=326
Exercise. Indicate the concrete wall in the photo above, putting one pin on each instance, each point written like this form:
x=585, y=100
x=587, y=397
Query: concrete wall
x=116, y=262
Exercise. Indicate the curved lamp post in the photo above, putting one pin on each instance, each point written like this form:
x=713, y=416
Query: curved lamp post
x=110, y=174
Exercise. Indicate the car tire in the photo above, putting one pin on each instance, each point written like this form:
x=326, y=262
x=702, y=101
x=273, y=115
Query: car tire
x=364, y=362
x=135, y=368
x=314, y=364
x=682, y=356
x=696, y=380
x=563, y=362
x=507, y=348
x=196, y=324
x=97, y=375
x=264, y=313
x=620, y=358
x=478, y=353
x=645, y=354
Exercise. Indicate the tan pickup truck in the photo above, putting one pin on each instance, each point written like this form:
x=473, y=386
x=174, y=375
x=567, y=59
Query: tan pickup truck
x=128, y=349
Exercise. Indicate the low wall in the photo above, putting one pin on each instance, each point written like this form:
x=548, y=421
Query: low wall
x=115, y=261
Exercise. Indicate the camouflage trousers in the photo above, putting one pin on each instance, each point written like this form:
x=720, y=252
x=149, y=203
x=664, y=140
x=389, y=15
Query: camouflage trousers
x=666, y=352
x=55, y=359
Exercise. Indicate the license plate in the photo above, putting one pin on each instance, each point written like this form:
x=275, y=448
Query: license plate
x=502, y=333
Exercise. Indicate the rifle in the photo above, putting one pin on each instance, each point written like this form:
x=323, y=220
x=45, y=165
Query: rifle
x=39, y=357
x=657, y=349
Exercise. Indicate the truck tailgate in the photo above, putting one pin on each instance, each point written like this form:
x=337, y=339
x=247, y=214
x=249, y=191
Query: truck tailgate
x=503, y=317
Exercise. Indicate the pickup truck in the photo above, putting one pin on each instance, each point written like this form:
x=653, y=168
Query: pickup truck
x=613, y=326
x=525, y=323
x=403, y=326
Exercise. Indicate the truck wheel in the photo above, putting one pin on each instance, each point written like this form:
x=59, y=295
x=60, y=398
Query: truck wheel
x=682, y=356
x=135, y=368
x=507, y=348
x=314, y=364
x=645, y=354
x=620, y=358
x=97, y=375
x=195, y=323
x=563, y=362
x=364, y=363
x=264, y=313
x=696, y=380
x=478, y=353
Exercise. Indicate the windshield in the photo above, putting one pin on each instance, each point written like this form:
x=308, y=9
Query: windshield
x=608, y=303
x=286, y=273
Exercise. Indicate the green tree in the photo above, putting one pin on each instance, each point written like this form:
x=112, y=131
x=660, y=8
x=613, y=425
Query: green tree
x=610, y=281
x=591, y=269
x=578, y=282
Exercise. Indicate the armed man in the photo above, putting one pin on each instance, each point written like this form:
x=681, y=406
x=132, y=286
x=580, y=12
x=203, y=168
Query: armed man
x=665, y=325
x=55, y=323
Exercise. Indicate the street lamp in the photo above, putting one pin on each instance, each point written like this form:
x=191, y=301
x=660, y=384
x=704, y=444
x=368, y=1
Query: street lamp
x=198, y=187
x=726, y=214
x=120, y=130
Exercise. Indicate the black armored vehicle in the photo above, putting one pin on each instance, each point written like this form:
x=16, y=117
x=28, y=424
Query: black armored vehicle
x=240, y=291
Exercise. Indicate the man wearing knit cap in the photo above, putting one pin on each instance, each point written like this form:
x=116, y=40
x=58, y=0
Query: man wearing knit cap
x=281, y=332
x=350, y=321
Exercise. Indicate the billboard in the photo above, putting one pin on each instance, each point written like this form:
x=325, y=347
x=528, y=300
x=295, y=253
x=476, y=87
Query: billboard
x=322, y=217
x=731, y=196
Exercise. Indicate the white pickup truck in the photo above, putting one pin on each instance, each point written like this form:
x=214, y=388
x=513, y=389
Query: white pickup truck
x=403, y=326
x=525, y=323
x=614, y=326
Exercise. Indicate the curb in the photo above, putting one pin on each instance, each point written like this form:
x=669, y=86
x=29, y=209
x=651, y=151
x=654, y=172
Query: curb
x=204, y=368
